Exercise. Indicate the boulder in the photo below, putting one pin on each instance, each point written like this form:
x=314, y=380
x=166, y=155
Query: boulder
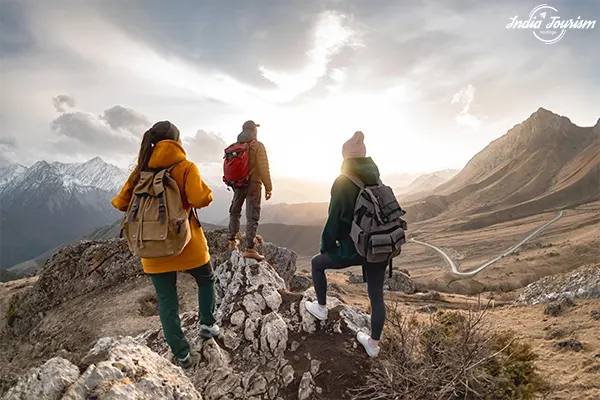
x=47, y=382
x=399, y=282
x=117, y=369
x=582, y=283
x=300, y=283
x=282, y=259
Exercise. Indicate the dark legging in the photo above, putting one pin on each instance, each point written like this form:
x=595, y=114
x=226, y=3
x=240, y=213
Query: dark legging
x=375, y=274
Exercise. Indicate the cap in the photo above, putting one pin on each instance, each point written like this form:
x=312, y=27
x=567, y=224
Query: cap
x=249, y=125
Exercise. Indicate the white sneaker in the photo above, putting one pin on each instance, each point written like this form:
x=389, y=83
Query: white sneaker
x=363, y=339
x=318, y=311
x=209, y=331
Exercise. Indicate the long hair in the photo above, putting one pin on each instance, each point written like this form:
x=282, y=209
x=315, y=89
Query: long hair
x=163, y=130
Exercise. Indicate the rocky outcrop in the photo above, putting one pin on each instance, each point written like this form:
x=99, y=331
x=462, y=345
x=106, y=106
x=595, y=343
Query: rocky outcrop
x=399, y=282
x=83, y=268
x=280, y=258
x=269, y=347
x=265, y=349
x=47, y=382
x=117, y=368
x=583, y=283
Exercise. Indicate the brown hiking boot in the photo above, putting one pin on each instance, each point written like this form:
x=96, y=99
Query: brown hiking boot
x=233, y=245
x=252, y=253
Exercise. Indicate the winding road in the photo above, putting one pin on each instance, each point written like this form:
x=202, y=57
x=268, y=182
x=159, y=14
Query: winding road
x=511, y=250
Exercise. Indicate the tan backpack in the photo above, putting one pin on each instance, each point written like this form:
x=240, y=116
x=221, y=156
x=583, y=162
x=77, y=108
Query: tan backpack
x=156, y=225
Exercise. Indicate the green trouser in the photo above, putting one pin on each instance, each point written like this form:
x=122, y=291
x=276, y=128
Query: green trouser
x=168, y=305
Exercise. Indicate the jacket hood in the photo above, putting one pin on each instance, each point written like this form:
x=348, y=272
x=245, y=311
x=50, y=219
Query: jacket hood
x=363, y=168
x=246, y=136
x=166, y=153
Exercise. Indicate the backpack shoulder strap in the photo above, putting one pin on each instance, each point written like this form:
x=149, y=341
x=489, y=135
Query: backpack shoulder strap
x=354, y=180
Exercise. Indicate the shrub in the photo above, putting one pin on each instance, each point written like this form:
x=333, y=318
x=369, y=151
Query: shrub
x=454, y=355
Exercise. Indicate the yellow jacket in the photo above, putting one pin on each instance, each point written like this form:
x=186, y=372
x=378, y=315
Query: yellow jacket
x=194, y=193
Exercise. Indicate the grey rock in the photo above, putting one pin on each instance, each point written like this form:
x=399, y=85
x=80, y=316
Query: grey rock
x=305, y=389
x=300, y=283
x=315, y=365
x=427, y=309
x=294, y=346
x=238, y=318
x=283, y=260
x=583, y=283
x=596, y=315
x=47, y=382
x=400, y=282
x=254, y=303
x=272, y=298
x=130, y=371
x=570, y=344
x=356, y=320
x=274, y=335
x=258, y=387
x=287, y=375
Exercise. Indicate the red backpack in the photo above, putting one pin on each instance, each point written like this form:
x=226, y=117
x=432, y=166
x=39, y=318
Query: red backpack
x=236, y=165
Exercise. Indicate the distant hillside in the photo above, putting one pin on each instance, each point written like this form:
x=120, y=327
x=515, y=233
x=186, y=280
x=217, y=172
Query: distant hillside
x=542, y=164
x=426, y=183
x=304, y=240
x=112, y=230
x=290, y=214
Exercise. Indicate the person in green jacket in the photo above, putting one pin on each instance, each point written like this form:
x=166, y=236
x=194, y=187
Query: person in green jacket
x=337, y=248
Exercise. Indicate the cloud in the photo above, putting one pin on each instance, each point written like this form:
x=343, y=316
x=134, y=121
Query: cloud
x=119, y=117
x=62, y=102
x=332, y=33
x=465, y=96
x=205, y=147
x=8, y=145
x=8, y=142
x=115, y=132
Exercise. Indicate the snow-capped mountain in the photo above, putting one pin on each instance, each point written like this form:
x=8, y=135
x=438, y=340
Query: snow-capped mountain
x=7, y=174
x=95, y=173
x=51, y=203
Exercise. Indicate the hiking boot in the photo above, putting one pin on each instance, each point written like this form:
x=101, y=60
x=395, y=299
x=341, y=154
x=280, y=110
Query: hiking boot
x=318, y=311
x=363, y=339
x=252, y=253
x=208, y=332
x=233, y=245
x=186, y=362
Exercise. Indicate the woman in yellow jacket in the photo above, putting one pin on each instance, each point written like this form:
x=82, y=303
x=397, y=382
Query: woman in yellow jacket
x=161, y=148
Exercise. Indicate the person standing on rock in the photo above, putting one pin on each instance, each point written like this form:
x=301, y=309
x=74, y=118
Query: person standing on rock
x=246, y=170
x=161, y=148
x=337, y=248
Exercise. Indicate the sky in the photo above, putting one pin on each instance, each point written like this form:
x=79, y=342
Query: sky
x=429, y=83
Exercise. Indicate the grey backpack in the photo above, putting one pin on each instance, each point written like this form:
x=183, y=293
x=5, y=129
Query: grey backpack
x=377, y=229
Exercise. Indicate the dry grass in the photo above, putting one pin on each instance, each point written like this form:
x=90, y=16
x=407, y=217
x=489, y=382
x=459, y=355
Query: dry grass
x=148, y=305
x=454, y=355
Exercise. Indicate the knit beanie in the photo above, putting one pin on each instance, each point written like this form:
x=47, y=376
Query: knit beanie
x=355, y=147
